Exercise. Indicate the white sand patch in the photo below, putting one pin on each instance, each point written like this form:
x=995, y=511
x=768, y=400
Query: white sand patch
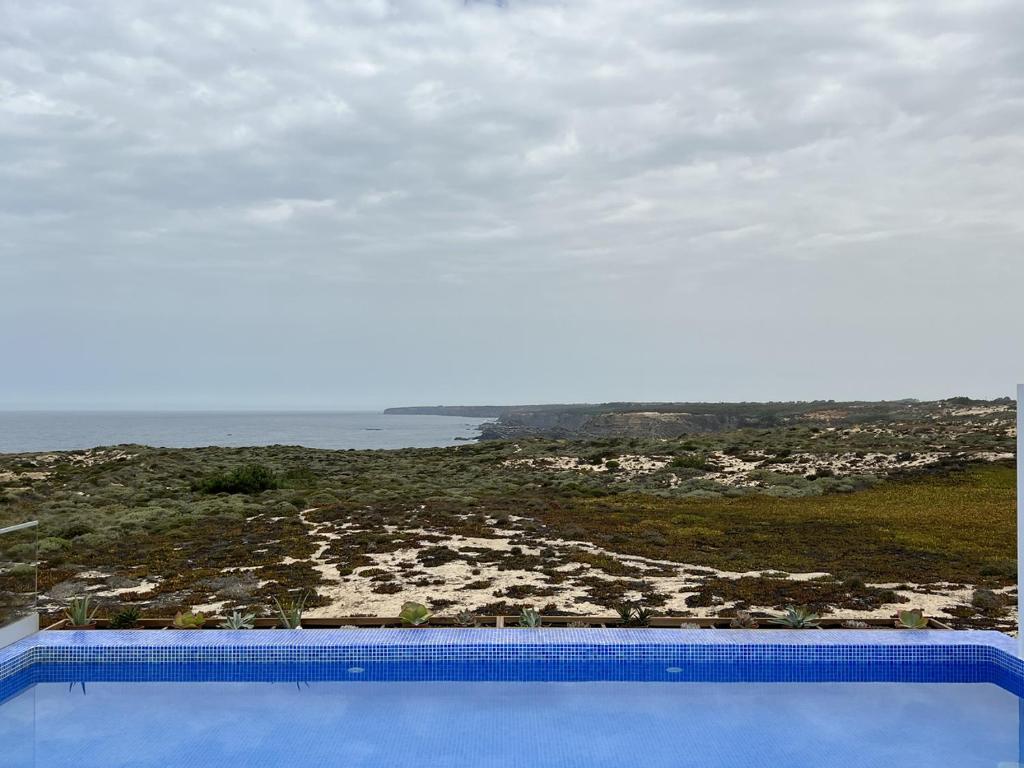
x=630, y=463
x=86, y=458
x=143, y=588
x=739, y=471
x=993, y=456
x=215, y=607
x=10, y=477
x=981, y=410
x=353, y=595
x=93, y=575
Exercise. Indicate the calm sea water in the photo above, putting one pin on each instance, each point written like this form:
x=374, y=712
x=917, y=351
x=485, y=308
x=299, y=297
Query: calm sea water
x=22, y=431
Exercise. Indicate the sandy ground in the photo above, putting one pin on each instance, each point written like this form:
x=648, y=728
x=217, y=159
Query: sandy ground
x=353, y=595
x=735, y=471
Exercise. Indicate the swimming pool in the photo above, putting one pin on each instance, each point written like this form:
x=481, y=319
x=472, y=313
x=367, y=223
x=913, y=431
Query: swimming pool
x=511, y=698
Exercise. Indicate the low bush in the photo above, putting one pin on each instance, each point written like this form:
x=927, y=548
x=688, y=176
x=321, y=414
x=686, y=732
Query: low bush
x=251, y=478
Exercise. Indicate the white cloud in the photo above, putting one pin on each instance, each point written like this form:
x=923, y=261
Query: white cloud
x=280, y=211
x=431, y=143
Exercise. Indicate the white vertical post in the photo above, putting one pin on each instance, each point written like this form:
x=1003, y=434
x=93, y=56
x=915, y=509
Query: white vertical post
x=1020, y=523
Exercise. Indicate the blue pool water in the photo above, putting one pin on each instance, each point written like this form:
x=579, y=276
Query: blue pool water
x=530, y=724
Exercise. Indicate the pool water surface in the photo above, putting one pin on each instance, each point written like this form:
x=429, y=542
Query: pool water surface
x=460, y=724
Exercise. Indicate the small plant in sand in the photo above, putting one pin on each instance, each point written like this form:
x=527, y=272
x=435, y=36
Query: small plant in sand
x=290, y=612
x=800, y=617
x=189, y=620
x=414, y=614
x=743, y=620
x=530, y=618
x=126, y=618
x=466, y=619
x=633, y=614
x=914, y=619
x=239, y=620
x=80, y=613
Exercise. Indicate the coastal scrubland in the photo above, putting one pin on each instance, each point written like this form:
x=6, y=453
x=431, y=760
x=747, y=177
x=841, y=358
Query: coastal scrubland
x=852, y=512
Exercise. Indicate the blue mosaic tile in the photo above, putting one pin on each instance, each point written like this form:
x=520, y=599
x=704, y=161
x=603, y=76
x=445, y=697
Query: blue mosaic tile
x=514, y=654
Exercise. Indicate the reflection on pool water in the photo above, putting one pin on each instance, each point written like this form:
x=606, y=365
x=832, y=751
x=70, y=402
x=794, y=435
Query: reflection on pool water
x=535, y=724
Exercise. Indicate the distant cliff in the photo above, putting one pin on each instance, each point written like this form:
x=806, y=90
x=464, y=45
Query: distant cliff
x=663, y=420
x=581, y=424
x=670, y=420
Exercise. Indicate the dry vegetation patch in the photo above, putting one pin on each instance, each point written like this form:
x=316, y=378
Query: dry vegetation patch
x=851, y=513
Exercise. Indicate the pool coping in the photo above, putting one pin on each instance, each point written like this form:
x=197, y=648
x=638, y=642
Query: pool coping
x=909, y=655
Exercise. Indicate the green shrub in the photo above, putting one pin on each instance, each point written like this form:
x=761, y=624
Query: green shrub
x=126, y=618
x=52, y=547
x=690, y=461
x=1005, y=567
x=252, y=478
x=987, y=600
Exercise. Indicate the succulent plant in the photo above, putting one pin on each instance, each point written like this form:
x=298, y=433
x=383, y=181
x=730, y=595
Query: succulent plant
x=914, y=619
x=189, y=620
x=126, y=618
x=633, y=614
x=78, y=612
x=239, y=620
x=642, y=615
x=414, y=614
x=743, y=620
x=625, y=611
x=466, y=619
x=800, y=617
x=291, y=611
x=529, y=617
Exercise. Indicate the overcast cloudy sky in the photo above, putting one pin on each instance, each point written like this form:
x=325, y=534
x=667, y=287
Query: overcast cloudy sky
x=361, y=203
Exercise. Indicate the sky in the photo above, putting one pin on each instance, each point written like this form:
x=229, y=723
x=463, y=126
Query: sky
x=363, y=203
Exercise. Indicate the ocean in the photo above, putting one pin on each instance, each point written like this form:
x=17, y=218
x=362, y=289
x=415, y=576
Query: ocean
x=24, y=431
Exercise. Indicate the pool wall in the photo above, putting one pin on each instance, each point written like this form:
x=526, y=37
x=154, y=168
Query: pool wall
x=514, y=654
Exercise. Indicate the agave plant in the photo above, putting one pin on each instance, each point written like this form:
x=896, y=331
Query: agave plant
x=291, y=611
x=189, y=620
x=626, y=612
x=466, y=619
x=633, y=614
x=126, y=618
x=80, y=613
x=529, y=617
x=914, y=619
x=797, y=618
x=414, y=614
x=743, y=620
x=238, y=620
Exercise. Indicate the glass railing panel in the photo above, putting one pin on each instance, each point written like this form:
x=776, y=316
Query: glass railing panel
x=18, y=581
